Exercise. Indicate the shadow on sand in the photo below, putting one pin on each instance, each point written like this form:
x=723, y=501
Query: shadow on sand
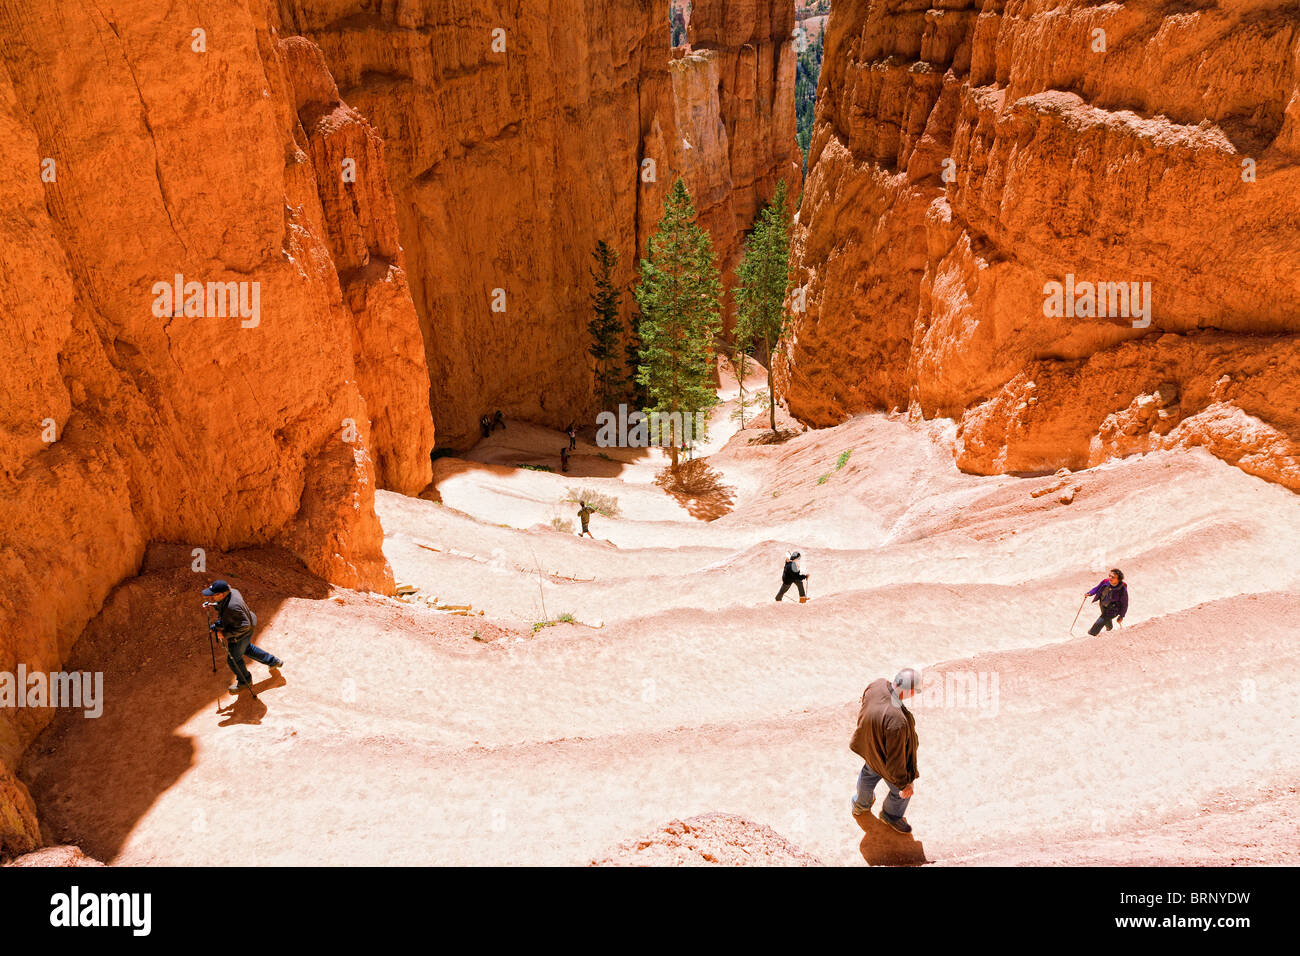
x=882, y=845
x=698, y=489
x=93, y=780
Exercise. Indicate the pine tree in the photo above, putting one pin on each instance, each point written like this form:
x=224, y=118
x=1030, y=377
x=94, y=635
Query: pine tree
x=680, y=299
x=761, y=283
x=606, y=328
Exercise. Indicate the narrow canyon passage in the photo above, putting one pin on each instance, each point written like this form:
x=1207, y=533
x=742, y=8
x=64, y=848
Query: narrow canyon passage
x=1025, y=280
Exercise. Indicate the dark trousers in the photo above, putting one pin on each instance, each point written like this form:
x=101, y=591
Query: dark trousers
x=237, y=650
x=785, y=586
x=1107, y=619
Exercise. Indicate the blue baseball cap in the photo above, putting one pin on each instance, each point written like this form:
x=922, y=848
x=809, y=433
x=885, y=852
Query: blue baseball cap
x=216, y=587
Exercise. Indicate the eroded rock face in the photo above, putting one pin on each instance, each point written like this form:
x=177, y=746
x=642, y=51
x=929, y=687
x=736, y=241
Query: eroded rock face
x=133, y=157
x=516, y=138
x=964, y=158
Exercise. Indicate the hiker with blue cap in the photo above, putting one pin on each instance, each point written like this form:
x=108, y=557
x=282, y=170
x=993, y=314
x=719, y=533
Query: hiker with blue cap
x=235, y=625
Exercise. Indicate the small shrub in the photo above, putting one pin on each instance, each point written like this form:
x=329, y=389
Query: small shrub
x=538, y=467
x=822, y=480
x=843, y=459
x=606, y=505
x=562, y=524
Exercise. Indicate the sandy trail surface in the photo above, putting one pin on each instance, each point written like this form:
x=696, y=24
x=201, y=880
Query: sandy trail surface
x=402, y=734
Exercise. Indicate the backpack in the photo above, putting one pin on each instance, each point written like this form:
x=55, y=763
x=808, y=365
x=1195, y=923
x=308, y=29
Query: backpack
x=1108, y=596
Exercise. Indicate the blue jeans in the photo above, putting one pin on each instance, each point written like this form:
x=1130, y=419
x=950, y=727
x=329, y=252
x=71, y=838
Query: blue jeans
x=257, y=654
x=237, y=650
x=895, y=803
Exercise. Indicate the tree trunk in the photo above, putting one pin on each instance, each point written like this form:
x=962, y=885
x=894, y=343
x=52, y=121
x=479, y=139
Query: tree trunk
x=771, y=388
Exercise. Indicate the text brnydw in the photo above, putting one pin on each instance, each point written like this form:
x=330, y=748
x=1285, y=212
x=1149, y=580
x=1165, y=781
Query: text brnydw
x=74, y=909
x=77, y=690
x=213, y=300
x=1102, y=300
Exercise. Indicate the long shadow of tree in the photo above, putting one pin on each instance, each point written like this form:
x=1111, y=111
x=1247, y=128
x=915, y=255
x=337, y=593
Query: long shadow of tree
x=699, y=489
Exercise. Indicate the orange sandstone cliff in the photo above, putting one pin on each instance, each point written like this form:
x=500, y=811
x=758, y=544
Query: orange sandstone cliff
x=968, y=154
x=141, y=144
x=518, y=135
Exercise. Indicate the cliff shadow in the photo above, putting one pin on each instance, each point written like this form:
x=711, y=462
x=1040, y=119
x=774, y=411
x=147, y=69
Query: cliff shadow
x=94, y=778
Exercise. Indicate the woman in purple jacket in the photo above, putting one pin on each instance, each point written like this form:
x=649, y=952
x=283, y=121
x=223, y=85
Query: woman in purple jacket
x=1112, y=595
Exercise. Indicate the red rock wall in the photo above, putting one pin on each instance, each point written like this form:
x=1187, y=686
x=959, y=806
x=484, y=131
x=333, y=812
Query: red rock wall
x=184, y=428
x=509, y=165
x=1115, y=166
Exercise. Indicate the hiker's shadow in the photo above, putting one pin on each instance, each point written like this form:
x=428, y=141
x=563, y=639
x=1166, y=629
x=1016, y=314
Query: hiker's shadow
x=247, y=709
x=882, y=845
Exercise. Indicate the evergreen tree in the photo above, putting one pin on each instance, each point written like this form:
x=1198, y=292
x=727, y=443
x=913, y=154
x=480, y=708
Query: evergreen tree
x=761, y=283
x=808, y=67
x=680, y=299
x=606, y=328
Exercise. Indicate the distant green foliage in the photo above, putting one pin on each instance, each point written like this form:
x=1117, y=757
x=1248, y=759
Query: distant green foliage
x=679, y=295
x=823, y=478
x=761, y=282
x=538, y=467
x=606, y=327
x=676, y=25
x=565, y=618
x=843, y=459
x=807, y=71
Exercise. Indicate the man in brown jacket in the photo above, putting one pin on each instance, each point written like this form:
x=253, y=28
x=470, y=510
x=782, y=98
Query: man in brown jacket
x=886, y=741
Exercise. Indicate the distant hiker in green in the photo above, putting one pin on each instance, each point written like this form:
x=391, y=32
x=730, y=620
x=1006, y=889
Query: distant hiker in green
x=584, y=515
x=886, y=740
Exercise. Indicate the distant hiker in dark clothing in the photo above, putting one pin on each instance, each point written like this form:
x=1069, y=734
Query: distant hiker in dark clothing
x=1112, y=595
x=235, y=625
x=792, y=575
x=584, y=515
x=564, y=459
x=485, y=425
x=886, y=741
x=573, y=436
x=498, y=421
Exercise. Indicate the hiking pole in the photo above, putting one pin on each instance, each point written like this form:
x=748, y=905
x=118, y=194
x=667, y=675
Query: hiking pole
x=1077, y=613
x=211, y=636
x=230, y=660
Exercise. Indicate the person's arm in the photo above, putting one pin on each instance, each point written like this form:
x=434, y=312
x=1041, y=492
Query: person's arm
x=896, y=771
x=1094, y=591
x=1123, y=602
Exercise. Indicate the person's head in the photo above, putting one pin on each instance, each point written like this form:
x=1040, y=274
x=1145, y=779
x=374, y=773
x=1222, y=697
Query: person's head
x=794, y=555
x=218, y=589
x=907, y=683
x=1115, y=577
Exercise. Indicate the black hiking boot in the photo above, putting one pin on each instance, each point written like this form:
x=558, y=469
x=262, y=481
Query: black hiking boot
x=898, y=823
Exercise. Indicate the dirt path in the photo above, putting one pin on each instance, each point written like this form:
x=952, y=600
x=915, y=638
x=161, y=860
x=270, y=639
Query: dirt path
x=398, y=737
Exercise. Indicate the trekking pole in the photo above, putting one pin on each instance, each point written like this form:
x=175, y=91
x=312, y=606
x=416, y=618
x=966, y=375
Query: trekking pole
x=212, y=650
x=1077, y=613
